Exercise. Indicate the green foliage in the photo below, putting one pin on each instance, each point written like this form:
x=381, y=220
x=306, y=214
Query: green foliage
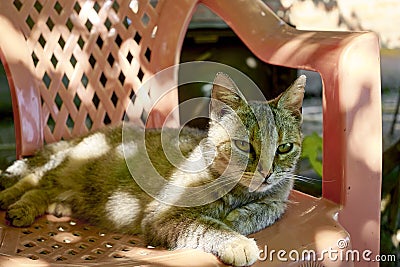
x=312, y=150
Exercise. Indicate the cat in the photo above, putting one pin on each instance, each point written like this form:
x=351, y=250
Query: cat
x=253, y=146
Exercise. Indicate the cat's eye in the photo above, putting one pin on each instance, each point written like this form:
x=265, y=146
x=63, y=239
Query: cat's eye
x=242, y=145
x=284, y=148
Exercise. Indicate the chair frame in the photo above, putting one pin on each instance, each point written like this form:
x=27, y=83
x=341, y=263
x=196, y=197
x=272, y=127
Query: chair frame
x=348, y=62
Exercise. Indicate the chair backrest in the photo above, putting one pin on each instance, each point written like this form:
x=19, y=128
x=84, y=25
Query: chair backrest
x=83, y=61
x=74, y=65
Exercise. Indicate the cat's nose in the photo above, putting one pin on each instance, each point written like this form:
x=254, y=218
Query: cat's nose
x=266, y=174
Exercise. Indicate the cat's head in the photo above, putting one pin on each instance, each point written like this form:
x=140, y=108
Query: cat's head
x=258, y=142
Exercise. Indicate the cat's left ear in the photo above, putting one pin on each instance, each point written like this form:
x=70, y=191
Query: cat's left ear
x=225, y=96
x=292, y=98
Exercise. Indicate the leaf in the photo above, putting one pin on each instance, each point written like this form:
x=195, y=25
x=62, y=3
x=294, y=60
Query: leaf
x=312, y=150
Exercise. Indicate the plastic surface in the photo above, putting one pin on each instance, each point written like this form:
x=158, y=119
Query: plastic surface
x=80, y=63
x=349, y=64
x=24, y=90
x=74, y=65
x=52, y=241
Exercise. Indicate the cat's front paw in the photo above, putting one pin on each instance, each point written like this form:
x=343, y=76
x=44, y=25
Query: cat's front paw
x=20, y=215
x=241, y=251
x=232, y=218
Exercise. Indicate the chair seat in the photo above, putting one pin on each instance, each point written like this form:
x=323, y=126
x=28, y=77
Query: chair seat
x=308, y=224
x=79, y=63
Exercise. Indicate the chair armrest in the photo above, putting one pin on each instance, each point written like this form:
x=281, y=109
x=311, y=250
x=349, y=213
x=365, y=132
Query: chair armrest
x=349, y=64
x=24, y=92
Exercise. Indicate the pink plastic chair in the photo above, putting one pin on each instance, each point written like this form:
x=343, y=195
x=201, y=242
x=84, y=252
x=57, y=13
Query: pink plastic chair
x=72, y=67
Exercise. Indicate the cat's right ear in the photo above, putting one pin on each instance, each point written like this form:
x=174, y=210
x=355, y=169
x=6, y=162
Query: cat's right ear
x=225, y=96
x=292, y=98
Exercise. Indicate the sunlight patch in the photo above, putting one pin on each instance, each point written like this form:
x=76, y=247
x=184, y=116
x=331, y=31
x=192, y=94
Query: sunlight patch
x=18, y=168
x=92, y=146
x=128, y=149
x=122, y=208
x=54, y=161
x=32, y=179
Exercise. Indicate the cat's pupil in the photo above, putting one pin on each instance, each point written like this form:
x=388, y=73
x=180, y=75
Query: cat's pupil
x=285, y=148
x=242, y=145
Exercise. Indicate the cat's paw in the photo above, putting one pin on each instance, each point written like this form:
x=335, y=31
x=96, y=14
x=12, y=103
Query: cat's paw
x=241, y=251
x=59, y=210
x=7, y=197
x=20, y=215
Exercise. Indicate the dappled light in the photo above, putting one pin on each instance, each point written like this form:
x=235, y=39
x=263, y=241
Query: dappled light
x=369, y=127
x=64, y=240
x=306, y=13
x=17, y=261
x=91, y=48
x=81, y=63
x=331, y=246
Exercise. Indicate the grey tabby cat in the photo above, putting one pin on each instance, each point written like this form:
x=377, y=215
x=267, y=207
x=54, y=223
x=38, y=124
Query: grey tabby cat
x=88, y=177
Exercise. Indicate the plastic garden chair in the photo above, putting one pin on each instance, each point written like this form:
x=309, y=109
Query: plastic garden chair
x=72, y=67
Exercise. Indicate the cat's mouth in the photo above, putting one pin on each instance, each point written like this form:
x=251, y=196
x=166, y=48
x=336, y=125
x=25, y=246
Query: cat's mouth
x=258, y=182
x=267, y=176
x=266, y=185
x=268, y=181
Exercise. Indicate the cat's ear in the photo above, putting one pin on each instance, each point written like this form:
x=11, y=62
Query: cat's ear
x=225, y=96
x=292, y=98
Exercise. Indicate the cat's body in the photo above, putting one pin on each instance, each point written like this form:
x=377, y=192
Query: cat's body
x=89, y=177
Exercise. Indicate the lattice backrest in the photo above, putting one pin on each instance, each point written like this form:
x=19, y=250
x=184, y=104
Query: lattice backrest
x=89, y=58
x=347, y=61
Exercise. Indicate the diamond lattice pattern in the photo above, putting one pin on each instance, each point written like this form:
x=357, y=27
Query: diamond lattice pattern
x=91, y=57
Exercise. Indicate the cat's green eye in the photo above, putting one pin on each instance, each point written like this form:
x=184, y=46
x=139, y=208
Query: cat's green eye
x=242, y=145
x=284, y=148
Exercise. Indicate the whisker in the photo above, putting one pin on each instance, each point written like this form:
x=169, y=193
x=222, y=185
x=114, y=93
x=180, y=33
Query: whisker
x=230, y=178
x=299, y=177
x=307, y=181
x=224, y=182
x=215, y=186
x=288, y=175
x=302, y=176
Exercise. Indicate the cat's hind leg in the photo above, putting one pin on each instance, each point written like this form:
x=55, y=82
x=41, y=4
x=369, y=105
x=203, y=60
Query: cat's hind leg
x=13, y=193
x=32, y=204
